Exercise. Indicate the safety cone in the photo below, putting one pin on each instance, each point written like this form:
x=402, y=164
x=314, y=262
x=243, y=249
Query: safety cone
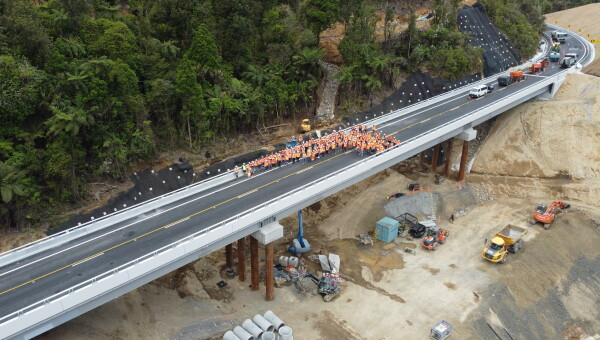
x=428, y=189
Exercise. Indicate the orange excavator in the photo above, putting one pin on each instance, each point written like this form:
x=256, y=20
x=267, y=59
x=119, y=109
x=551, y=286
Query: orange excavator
x=546, y=214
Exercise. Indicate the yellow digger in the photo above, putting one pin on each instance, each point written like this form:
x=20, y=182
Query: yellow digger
x=305, y=126
x=313, y=123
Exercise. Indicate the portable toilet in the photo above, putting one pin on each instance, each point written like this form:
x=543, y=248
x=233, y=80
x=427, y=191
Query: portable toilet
x=387, y=229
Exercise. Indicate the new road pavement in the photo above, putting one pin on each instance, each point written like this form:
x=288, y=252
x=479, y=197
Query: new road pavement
x=46, y=273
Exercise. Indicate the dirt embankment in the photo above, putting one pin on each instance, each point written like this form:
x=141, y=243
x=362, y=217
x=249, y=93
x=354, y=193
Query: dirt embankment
x=555, y=141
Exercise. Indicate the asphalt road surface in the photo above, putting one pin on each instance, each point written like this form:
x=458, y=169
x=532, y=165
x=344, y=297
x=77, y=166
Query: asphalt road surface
x=49, y=272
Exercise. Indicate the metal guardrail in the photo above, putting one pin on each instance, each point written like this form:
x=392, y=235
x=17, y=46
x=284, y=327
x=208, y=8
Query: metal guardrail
x=269, y=208
x=113, y=218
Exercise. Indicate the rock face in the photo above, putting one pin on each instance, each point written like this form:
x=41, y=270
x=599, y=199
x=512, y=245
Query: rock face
x=327, y=104
x=559, y=138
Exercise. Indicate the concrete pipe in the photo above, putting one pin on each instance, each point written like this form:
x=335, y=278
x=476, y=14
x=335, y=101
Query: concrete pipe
x=230, y=336
x=252, y=328
x=242, y=333
x=274, y=320
x=285, y=333
x=263, y=323
x=268, y=336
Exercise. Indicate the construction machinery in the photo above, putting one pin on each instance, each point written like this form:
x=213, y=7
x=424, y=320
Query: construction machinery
x=311, y=123
x=435, y=237
x=306, y=125
x=327, y=286
x=517, y=76
x=509, y=239
x=396, y=195
x=300, y=244
x=535, y=68
x=441, y=331
x=567, y=62
x=555, y=47
x=546, y=214
x=410, y=223
x=414, y=186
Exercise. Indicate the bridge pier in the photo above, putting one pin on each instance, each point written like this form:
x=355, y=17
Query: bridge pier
x=448, y=156
x=434, y=158
x=269, y=275
x=466, y=136
x=229, y=256
x=242, y=259
x=254, y=263
x=421, y=158
x=266, y=236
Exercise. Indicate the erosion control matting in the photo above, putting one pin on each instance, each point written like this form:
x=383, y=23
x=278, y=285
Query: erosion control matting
x=147, y=184
x=498, y=52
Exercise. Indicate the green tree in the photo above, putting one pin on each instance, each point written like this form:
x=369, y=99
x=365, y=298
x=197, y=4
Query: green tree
x=10, y=186
x=321, y=14
x=24, y=30
x=204, y=50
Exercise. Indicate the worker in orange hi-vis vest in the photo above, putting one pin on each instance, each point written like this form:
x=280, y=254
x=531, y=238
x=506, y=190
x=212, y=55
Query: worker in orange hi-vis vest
x=237, y=171
x=249, y=171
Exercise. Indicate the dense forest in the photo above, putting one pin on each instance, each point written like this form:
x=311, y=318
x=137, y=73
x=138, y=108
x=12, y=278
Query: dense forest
x=90, y=87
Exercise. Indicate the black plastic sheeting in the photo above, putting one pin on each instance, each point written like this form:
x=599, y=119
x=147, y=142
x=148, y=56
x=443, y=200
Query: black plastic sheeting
x=147, y=185
x=499, y=54
x=418, y=87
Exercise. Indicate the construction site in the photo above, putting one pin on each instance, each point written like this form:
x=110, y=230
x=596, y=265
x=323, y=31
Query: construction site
x=506, y=250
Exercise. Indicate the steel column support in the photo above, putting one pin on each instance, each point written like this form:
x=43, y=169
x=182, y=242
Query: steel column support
x=448, y=156
x=254, y=263
x=421, y=158
x=463, y=161
x=242, y=258
x=229, y=256
x=269, y=275
x=434, y=158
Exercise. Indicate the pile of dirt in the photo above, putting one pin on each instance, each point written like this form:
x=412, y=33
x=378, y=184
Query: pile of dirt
x=554, y=139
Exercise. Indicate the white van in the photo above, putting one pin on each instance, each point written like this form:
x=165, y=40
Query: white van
x=479, y=91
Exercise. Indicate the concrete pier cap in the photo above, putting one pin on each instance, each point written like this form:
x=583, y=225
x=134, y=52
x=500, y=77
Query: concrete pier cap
x=467, y=135
x=269, y=233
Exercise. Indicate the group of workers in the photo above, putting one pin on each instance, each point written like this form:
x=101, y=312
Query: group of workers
x=360, y=138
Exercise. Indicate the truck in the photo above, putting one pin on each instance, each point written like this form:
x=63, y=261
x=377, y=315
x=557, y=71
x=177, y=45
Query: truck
x=509, y=239
x=567, y=62
x=559, y=36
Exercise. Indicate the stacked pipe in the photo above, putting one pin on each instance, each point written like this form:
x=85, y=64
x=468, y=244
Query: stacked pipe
x=261, y=327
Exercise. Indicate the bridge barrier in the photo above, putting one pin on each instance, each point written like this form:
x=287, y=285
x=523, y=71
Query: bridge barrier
x=130, y=213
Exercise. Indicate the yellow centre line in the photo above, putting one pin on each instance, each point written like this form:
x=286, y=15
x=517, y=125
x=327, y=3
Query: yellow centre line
x=216, y=205
x=166, y=226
